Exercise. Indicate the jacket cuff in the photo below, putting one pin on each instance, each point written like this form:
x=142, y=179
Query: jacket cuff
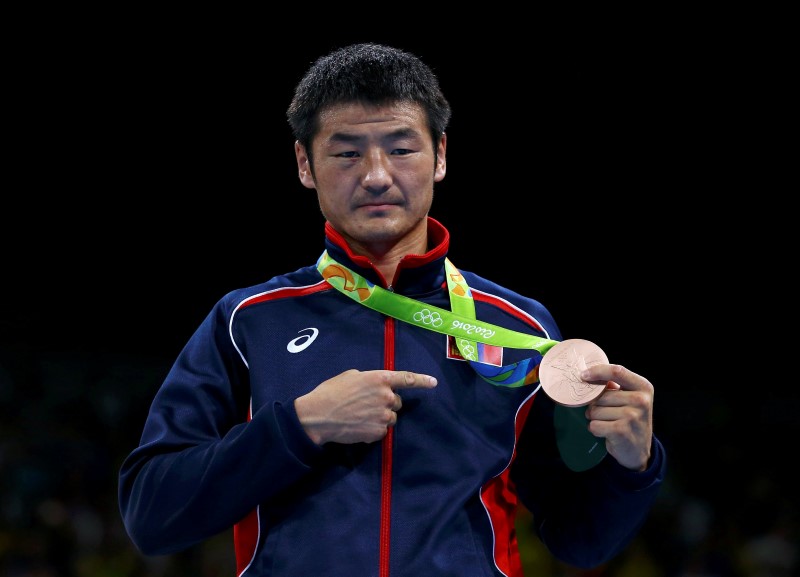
x=295, y=439
x=639, y=480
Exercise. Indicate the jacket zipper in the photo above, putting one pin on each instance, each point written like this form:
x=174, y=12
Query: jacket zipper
x=386, y=468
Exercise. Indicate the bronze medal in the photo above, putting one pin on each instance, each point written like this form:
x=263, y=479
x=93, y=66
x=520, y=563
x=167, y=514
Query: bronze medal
x=560, y=369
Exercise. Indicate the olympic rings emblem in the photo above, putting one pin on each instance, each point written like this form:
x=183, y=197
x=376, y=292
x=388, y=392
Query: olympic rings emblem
x=426, y=317
x=467, y=350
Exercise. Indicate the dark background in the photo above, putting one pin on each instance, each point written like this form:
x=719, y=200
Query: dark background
x=152, y=171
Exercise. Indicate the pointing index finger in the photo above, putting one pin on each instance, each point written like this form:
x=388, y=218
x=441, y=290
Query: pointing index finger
x=409, y=380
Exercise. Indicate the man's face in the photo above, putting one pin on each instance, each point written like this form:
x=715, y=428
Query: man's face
x=374, y=171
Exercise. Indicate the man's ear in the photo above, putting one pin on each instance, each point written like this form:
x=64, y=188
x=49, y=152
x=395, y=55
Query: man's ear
x=441, y=159
x=303, y=166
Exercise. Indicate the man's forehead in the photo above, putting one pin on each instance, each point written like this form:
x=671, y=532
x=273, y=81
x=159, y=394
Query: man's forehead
x=352, y=116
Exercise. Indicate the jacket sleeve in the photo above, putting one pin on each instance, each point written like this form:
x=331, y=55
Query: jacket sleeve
x=201, y=465
x=587, y=518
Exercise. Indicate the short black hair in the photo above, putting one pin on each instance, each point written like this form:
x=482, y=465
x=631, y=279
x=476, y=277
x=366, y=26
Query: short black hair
x=369, y=73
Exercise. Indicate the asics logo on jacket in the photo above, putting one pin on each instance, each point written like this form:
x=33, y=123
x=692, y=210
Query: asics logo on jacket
x=303, y=342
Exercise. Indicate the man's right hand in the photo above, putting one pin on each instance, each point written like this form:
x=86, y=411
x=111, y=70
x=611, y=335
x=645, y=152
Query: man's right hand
x=356, y=406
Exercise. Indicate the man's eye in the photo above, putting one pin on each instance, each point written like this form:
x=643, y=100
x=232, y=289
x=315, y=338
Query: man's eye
x=348, y=154
x=401, y=151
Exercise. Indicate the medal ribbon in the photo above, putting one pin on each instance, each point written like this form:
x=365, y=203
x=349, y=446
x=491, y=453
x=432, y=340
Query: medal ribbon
x=470, y=335
x=579, y=449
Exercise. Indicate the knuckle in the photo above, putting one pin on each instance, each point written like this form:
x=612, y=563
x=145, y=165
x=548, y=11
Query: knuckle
x=617, y=372
x=641, y=398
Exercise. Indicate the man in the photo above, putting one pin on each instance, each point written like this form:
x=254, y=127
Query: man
x=345, y=429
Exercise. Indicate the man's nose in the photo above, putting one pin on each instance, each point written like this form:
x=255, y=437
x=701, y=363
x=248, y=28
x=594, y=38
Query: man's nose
x=377, y=174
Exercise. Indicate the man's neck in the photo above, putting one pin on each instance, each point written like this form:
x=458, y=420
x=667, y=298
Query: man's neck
x=385, y=255
x=387, y=259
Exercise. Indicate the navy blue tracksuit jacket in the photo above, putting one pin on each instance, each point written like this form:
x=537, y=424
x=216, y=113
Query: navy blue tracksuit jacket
x=222, y=446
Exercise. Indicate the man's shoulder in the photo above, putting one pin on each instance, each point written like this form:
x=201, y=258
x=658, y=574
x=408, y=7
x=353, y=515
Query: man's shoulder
x=511, y=300
x=282, y=285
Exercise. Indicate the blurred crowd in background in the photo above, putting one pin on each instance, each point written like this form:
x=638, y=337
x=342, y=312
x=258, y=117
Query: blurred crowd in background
x=727, y=510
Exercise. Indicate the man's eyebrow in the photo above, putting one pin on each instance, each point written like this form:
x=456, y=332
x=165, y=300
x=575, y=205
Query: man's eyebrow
x=347, y=138
x=403, y=133
x=344, y=137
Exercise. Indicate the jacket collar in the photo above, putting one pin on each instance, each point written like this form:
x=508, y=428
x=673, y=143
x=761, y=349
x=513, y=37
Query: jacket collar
x=416, y=274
